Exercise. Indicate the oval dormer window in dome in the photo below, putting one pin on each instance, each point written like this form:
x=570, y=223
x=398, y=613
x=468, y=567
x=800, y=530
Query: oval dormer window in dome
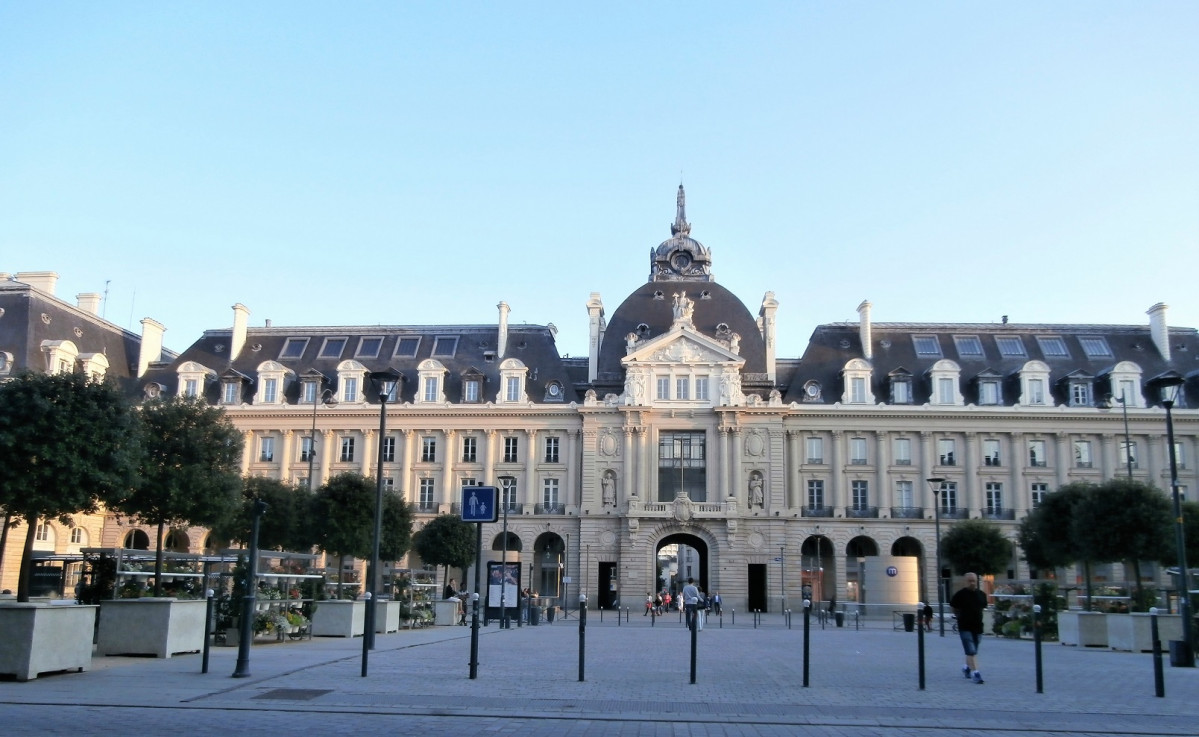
x=643, y=329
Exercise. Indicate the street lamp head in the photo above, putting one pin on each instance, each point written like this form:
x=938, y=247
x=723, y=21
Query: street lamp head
x=1169, y=384
x=936, y=483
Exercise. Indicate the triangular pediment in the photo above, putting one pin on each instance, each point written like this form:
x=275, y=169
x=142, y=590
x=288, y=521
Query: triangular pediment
x=681, y=345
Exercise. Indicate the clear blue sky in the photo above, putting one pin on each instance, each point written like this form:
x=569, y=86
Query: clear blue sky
x=416, y=163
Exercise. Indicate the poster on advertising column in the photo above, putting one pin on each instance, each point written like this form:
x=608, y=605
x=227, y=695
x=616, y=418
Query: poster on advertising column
x=503, y=578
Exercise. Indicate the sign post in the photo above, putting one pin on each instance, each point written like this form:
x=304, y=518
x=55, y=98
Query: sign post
x=479, y=505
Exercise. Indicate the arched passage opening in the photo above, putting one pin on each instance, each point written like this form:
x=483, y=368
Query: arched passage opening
x=547, y=568
x=857, y=551
x=680, y=556
x=177, y=541
x=910, y=546
x=136, y=540
x=819, y=563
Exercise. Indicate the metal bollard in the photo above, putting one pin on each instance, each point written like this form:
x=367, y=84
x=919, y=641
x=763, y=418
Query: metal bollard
x=601, y=611
x=807, y=618
x=582, y=632
x=1036, y=643
x=474, y=636
x=920, y=643
x=857, y=620
x=653, y=616
x=1159, y=683
x=207, y=631
x=694, y=627
x=788, y=615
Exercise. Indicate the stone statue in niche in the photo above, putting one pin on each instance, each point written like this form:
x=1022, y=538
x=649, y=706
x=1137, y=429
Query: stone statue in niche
x=630, y=342
x=683, y=307
x=756, y=495
x=608, y=485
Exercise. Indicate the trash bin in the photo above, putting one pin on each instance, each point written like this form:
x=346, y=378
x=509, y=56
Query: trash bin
x=909, y=622
x=549, y=613
x=1181, y=655
x=534, y=616
x=840, y=617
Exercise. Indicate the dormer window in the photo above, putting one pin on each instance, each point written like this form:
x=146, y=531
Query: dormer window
x=1053, y=346
x=1125, y=381
x=5, y=363
x=812, y=391
x=351, y=376
x=1079, y=393
x=231, y=391
x=406, y=347
x=926, y=345
x=1095, y=346
x=512, y=381
x=990, y=388
x=60, y=356
x=332, y=348
x=369, y=346
x=271, y=375
x=293, y=348
x=1010, y=346
x=445, y=347
x=472, y=386
x=431, y=376
x=191, y=378
x=969, y=346
x=857, y=382
x=945, y=375
x=1034, y=384
x=94, y=365
x=554, y=392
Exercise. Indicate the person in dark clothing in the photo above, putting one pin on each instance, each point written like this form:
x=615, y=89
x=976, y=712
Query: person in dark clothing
x=968, y=605
x=927, y=615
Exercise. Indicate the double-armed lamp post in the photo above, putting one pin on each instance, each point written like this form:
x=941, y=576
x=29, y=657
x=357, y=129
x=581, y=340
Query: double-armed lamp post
x=938, y=484
x=1171, y=385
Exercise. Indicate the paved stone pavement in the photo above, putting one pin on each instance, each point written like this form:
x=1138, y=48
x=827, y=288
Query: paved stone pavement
x=637, y=682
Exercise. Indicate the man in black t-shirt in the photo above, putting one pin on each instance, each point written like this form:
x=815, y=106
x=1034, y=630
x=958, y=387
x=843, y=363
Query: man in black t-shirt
x=968, y=605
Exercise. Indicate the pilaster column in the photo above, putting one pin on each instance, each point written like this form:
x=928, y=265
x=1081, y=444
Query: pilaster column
x=286, y=458
x=630, y=467
x=883, y=497
x=1109, y=454
x=970, y=456
x=793, y=461
x=573, y=491
x=924, y=451
x=723, y=472
x=404, y=482
x=490, y=437
x=248, y=451
x=447, y=472
x=1063, y=457
x=531, y=469
x=327, y=439
x=370, y=452
x=837, y=492
x=1017, y=498
x=646, y=461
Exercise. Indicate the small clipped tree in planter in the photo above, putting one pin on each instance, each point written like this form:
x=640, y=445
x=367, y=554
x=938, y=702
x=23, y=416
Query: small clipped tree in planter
x=446, y=541
x=345, y=505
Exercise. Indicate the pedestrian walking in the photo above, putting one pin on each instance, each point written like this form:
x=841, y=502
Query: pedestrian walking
x=968, y=605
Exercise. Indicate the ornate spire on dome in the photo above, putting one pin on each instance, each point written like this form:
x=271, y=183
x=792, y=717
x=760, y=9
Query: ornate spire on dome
x=680, y=219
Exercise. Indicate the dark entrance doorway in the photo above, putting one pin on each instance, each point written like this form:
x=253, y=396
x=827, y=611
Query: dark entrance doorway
x=609, y=587
x=757, y=587
x=679, y=557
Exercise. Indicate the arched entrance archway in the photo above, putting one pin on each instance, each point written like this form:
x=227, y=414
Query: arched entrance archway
x=856, y=552
x=136, y=540
x=819, y=564
x=910, y=546
x=680, y=556
x=177, y=541
x=548, y=566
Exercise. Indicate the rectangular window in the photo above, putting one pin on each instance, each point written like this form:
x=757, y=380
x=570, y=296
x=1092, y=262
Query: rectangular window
x=231, y=392
x=861, y=495
x=969, y=346
x=389, y=484
x=901, y=392
x=1080, y=394
x=270, y=391
x=432, y=389
x=1052, y=346
x=1010, y=345
x=903, y=494
x=1128, y=454
x=949, y=497
x=406, y=347
x=306, y=448
x=389, y=389
x=946, y=452
x=470, y=482
x=308, y=392
x=349, y=389
x=332, y=348
x=988, y=392
x=549, y=493
x=1180, y=460
x=815, y=450
x=512, y=387
x=682, y=388
x=857, y=451
x=1128, y=392
x=903, y=451
x=369, y=347
x=428, y=449
x=507, y=493
x=990, y=452
x=701, y=388
x=1036, y=453
x=663, y=387
x=470, y=449
x=857, y=390
x=1095, y=347
x=994, y=497
x=682, y=466
x=347, y=450
x=42, y=534
x=1036, y=391
x=552, y=445
x=293, y=348
x=815, y=494
x=444, y=347
x=945, y=393
x=1037, y=493
x=511, y=450
x=389, y=449
x=470, y=390
x=190, y=388
x=926, y=345
x=426, y=493
x=1082, y=453
x=266, y=449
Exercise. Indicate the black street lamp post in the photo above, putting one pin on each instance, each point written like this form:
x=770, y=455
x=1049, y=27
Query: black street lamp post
x=384, y=383
x=938, y=484
x=1170, y=386
x=330, y=400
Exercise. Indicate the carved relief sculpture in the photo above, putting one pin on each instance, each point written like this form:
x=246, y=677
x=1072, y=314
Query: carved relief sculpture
x=756, y=496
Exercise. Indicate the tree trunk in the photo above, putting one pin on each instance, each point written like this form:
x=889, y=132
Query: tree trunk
x=4, y=537
x=24, y=579
x=341, y=570
x=1138, y=600
x=1086, y=572
x=158, y=562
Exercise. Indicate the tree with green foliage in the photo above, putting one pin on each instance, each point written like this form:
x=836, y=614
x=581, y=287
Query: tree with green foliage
x=1047, y=534
x=68, y=445
x=345, y=508
x=285, y=526
x=446, y=541
x=1190, y=530
x=396, y=537
x=1123, y=520
x=189, y=472
x=976, y=546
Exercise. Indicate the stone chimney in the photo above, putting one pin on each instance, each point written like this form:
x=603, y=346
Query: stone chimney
x=89, y=302
x=595, y=334
x=767, y=323
x=864, y=330
x=151, y=345
x=241, y=321
x=43, y=281
x=1158, y=330
x=502, y=340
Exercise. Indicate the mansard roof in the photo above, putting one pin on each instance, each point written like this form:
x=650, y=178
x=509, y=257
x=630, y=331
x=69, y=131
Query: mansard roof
x=474, y=351
x=893, y=347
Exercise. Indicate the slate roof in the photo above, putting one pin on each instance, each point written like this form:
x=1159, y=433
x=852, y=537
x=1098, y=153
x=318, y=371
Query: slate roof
x=833, y=345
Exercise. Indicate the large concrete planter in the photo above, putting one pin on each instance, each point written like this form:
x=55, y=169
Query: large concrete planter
x=1133, y=632
x=387, y=617
x=337, y=618
x=445, y=612
x=160, y=627
x=1088, y=629
x=35, y=638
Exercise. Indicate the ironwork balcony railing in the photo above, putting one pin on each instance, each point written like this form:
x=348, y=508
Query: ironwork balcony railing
x=549, y=509
x=818, y=511
x=955, y=513
x=861, y=512
x=907, y=512
x=513, y=508
x=999, y=513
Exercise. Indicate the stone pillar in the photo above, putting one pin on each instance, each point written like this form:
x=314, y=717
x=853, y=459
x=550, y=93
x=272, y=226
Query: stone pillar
x=723, y=472
x=836, y=494
x=489, y=440
x=630, y=468
x=248, y=451
x=286, y=458
x=447, y=472
x=531, y=470
x=370, y=452
x=405, y=478
x=972, y=497
x=326, y=457
x=1063, y=457
x=884, y=496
